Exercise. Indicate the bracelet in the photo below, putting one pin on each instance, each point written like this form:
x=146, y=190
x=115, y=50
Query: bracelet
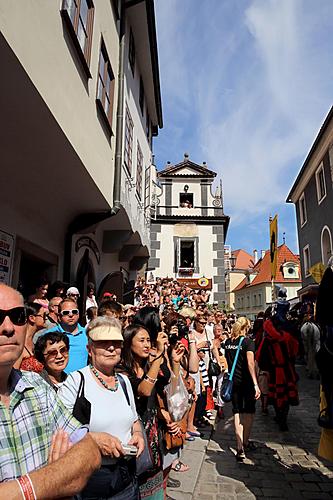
x=150, y=380
x=27, y=488
x=256, y=385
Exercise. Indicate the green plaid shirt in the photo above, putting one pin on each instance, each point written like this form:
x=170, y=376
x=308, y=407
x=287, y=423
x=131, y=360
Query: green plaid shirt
x=26, y=428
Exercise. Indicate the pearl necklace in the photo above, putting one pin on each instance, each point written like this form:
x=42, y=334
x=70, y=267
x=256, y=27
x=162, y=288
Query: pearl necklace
x=97, y=375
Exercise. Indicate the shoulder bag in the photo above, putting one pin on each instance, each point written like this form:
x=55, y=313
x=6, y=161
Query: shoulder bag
x=214, y=368
x=227, y=384
x=82, y=407
x=145, y=461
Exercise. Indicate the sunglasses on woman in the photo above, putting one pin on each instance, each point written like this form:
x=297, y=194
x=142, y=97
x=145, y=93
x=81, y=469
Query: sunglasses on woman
x=17, y=315
x=53, y=353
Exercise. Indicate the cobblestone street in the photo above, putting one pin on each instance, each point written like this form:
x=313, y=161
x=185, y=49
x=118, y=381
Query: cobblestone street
x=285, y=465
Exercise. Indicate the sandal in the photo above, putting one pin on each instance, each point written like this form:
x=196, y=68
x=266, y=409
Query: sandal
x=240, y=456
x=180, y=467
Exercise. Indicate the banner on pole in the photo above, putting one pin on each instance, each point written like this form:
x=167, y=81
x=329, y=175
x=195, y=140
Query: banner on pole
x=273, y=237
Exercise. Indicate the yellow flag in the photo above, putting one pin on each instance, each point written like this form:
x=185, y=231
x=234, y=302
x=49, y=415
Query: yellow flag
x=273, y=237
x=317, y=271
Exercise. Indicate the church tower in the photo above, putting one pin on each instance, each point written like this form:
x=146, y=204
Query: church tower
x=189, y=227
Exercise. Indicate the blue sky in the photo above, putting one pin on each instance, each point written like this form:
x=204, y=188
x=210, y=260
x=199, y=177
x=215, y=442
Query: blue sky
x=246, y=85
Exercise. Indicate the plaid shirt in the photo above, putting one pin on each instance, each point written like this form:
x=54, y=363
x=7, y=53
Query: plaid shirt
x=26, y=428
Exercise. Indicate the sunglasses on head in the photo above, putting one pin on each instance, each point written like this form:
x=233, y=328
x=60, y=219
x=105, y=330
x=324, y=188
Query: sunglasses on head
x=17, y=315
x=67, y=312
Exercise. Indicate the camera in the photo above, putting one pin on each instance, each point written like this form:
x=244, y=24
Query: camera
x=183, y=332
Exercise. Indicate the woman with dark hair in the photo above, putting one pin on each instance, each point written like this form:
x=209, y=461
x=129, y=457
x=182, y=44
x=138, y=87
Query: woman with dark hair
x=40, y=295
x=51, y=349
x=36, y=315
x=147, y=379
x=149, y=318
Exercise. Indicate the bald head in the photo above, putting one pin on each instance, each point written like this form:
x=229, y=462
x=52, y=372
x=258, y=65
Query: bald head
x=7, y=293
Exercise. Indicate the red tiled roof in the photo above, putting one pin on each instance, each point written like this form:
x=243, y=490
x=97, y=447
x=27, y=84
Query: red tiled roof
x=263, y=269
x=243, y=259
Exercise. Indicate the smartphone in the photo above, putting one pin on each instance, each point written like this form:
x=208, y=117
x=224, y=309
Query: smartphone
x=130, y=449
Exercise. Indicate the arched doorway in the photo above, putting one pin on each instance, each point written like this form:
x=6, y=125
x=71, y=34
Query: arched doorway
x=113, y=283
x=85, y=274
x=326, y=245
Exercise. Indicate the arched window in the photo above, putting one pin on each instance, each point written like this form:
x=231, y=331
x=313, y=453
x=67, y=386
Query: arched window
x=326, y=245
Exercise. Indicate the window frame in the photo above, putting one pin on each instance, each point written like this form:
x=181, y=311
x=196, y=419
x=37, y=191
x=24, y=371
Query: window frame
x=73, y=26
x=141, y=96
x=139, y=170
x=107, y=115
x=320, y=170
x=303, y=216
x=128, y=143
x=307, y=260
x=131, y=51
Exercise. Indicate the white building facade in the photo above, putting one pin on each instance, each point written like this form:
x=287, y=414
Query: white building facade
x=73, y=163
x=188, y=228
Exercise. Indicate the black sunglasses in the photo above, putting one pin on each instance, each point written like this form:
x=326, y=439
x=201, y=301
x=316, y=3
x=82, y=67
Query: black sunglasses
x=17, y=315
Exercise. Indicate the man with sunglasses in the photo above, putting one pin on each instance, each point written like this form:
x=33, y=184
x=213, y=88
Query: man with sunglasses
x=35, y=428
x=69, y=324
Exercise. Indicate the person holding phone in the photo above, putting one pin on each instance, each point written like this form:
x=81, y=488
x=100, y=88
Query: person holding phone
x=114, y=423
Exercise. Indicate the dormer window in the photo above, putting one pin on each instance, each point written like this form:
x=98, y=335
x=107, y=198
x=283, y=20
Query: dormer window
x=290, y=270
x=186, y=200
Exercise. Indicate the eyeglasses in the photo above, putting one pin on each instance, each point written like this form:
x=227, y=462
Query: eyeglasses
x=41, y=316
x=54, y=352
x=202, y=322
x=17, y=315
x=66, y=312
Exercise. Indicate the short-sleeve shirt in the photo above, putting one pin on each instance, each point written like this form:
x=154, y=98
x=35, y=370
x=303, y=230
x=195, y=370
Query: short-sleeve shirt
x=242, y=373
x=110, y=411
x=27, y=426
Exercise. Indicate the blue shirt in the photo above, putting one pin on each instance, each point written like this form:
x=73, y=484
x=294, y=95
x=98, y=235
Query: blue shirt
x=78, y=355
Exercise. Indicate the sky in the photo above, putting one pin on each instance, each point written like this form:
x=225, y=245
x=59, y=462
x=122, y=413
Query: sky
x=246, y=85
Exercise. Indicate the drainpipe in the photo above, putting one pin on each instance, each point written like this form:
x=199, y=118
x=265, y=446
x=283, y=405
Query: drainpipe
x=84, y=221
x=120, y=113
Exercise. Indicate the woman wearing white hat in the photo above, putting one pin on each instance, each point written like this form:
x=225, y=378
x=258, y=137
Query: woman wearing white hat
x=113, y=421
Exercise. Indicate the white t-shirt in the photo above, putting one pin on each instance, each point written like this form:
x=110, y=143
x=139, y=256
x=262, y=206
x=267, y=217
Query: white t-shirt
x=110, y=411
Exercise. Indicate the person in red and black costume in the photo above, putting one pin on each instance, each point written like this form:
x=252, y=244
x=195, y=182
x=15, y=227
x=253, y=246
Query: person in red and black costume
x=279, y=347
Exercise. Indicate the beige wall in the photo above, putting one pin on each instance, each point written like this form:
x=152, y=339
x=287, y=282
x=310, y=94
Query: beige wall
x=36, y=34
x=249, y=297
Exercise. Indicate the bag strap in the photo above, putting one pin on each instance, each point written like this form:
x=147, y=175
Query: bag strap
x=124, y=388
x=208, y=342
x=80, y=392
x=236, y=358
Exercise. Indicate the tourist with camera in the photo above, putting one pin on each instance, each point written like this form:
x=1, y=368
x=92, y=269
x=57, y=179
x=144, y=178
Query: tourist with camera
x=104, y=400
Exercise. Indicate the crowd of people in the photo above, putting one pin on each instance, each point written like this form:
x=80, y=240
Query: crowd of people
x=104, y=408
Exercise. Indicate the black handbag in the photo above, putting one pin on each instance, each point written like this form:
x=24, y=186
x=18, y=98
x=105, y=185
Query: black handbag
x=214, y=368
x=325, y=419
x=82, y=407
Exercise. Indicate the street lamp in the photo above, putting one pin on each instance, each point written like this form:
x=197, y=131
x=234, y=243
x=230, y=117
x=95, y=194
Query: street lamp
x=232, y=262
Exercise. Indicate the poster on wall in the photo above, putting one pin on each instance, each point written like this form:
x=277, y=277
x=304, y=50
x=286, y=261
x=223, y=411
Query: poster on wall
x=150, y=278
x=6, y=257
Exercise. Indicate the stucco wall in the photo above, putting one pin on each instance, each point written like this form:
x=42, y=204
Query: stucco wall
x=36, y=34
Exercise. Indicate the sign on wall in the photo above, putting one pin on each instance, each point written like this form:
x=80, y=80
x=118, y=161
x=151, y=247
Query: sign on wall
x=196, y=283
x=6, y=257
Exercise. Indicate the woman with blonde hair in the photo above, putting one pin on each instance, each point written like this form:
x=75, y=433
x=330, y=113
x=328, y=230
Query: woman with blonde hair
x=245, y=385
